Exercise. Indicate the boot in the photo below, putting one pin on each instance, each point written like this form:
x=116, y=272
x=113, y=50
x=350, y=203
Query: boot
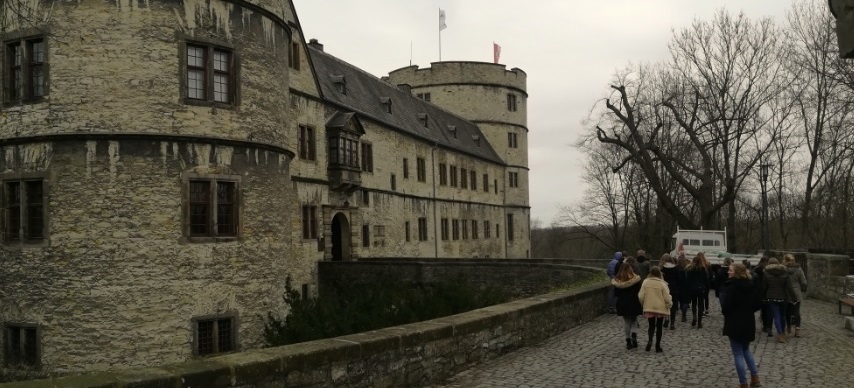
x=628, y=343
x=684, y=318
x=672, y=325
x=700, y=322
x=754, y=381
x=634, y=340
x=649, y=345
x=693, y=318
x=781, y=338
x=797, y=332
x=788, y=329
x=743, y=386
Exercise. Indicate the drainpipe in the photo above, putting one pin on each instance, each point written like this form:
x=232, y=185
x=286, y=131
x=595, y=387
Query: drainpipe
x=504, y=214
x=435, y=202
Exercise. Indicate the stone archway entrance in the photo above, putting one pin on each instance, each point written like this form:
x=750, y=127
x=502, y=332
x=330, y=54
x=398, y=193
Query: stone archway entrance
x=340, y=238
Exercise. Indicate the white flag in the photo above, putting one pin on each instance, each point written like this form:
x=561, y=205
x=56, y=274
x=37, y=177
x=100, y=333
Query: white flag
x=442, y=24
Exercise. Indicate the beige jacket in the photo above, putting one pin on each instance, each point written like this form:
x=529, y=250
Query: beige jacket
x=655, y=296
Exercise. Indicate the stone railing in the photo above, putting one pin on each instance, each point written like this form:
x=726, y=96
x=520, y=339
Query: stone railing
x=409, y=355
x=827, y=275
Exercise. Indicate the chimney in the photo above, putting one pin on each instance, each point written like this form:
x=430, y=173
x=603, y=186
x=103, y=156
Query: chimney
x=314, y=43
x=405, y=87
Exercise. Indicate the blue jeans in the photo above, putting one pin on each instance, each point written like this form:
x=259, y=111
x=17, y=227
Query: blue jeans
x=741, y=351
x=778, y=313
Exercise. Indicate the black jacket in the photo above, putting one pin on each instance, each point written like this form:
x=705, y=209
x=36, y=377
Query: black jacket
x=721, y=277
x=777, y=285
x=738, y=308
x=675, y=278
x=628, y=304
x=697, y=279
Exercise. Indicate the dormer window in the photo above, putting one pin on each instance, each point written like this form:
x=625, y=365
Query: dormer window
x=422, y=117
x=340, y=83
x=424, y=96
x=453, y=130
x=476, y=139
x=386, y=103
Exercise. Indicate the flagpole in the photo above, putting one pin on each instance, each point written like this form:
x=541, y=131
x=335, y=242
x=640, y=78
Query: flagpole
x=440, y=35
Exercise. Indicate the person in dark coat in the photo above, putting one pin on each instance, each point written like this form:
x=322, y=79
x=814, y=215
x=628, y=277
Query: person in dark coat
x=643, y=264
x=758, y=275
x=721, y=278
x=627, y=285
x=684, y=294
x=778, y=291
x=739, y=304
x=697, y=282
x=675, y=278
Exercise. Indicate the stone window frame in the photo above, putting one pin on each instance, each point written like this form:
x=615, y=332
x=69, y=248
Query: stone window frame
x=309, y=222
x=464, y=175
x=294, y=55
x=25, y=38
x=367, y=157
x=512, y=140
x=421, y=169
x=510, y=227
x=36, y=363
x=485, y=183
x=406, y=231
x=216, y=318
x=452, y=172
x=473, y=180
x=307, y=141
x=4, y=194
x=366, y=235
x=393, y=182
x=474, y=234
x=486, y=229
x=422, y=229
x=464, y=224
x=443, y=176
x=210, y=45
x=445, y=229
x=213, y=236
x=513, y=179
x=511, y=102
x=405, y=168
x=455, y=229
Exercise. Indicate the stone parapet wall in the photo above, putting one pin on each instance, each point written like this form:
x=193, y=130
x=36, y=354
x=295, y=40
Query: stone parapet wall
x=826, y=274
x=409, y=355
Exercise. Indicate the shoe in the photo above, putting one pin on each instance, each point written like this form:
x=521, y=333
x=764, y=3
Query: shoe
x=634, y=340
x=648, y=346
x=700, y=324
x=781, y=338
x=658, y=349
x=629, y=344
x=797, y=332
x=694, y=322
x=770, y=333
x=754, y=381
x=745, y=385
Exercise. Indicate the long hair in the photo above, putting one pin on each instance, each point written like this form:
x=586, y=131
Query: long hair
x=682, y=262
x=695, y=262
x=665, y=258
x=739, y=271
x=625, y=273
x=703, y=261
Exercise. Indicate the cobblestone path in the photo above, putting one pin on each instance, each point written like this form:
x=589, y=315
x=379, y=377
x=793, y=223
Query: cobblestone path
x=595, y=355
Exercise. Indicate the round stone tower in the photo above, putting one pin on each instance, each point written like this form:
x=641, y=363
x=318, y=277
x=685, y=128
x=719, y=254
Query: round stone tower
x=147, y=200
x=495, y=99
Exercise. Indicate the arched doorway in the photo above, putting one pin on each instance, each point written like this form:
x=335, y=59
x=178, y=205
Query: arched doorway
x=340, y=238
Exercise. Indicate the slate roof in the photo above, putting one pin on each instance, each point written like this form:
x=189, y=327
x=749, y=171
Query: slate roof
x=365, y=94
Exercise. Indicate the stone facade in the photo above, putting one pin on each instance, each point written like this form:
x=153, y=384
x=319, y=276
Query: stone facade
x=118, y=142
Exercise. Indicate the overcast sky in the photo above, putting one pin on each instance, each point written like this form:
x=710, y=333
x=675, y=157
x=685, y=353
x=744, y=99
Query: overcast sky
x=568, y=48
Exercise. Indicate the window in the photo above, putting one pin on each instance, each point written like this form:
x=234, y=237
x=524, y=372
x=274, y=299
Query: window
x=485, y=183
x=509, y=227
x=24, y=205
x=444, y=229
x=307, y=149
x=513, y=179
x=366, y=197
x=422, y=229
x=367, y=157
x=486, y=229
x=512, y=140
x=474, y=230
x=210, y=74
x=366, y=235
x=213, y=208
x=386, y=103
x=405, y=168
x=511, y=102
x=344, y=150
x=340, y=83
x=443, y=177
x=473, y=180
x=424, y=96
x=497, y=231
x=421, y=167
x=708, y=243
x=406, y=230
x=23, y=347
x=26, y=70
x=293, y=56
x=453, y=174
x=214, y=335
x=464, y=181
x=309, y=222
x=465, y=225
x=393, y=182
x=455, y=229
x=495, y=185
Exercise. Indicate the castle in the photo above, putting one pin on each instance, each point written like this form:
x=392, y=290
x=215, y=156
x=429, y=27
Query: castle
x=169, y=163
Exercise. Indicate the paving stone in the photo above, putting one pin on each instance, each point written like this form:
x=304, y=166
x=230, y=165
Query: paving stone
x=594, y=355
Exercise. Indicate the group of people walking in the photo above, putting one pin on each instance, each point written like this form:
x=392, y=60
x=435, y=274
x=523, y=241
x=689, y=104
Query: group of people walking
x=660, y=292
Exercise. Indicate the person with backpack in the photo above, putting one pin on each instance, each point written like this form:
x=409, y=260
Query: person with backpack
x=740, y=302
x=778, y=291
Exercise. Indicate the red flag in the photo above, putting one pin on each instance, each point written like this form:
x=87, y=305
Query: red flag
x=496, y=51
